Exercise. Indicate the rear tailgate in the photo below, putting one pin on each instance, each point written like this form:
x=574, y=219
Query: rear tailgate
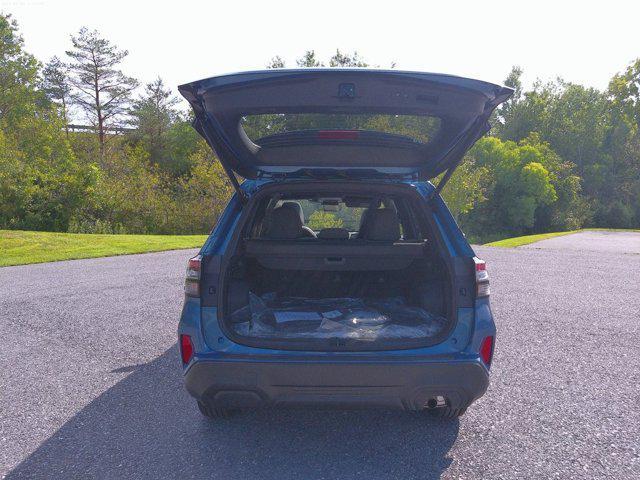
x=373, y=121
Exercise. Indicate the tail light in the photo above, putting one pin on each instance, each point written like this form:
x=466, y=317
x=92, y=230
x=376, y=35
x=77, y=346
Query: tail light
x=482, y=278
x=192, y=278
x=486, y=350
x=186, y=348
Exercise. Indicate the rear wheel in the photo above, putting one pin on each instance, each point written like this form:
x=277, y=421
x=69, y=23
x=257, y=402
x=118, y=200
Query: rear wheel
x=210, y=411
x=447, y=412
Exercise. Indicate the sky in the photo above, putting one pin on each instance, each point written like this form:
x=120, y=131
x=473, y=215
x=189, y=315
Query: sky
x=583, y=42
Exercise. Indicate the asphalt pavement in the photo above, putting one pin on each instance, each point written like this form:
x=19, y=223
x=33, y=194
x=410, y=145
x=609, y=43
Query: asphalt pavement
x=90, y=383
x=593, y=241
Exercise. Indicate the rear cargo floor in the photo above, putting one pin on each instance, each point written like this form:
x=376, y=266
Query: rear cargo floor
x=366, y=319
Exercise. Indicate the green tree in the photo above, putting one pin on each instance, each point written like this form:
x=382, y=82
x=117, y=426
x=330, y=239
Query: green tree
x=319, y=220
x=133, y=195
x=624, y=93
x=152, y=116
x=130, y=197
x=57, y=87
x=13, y=182
x=596, y=132
x=519, y=184
x=56, y=184
x=571, y=210
x=466, y=188
x=182, y=143
x=276, y=62
x=203, y=193
x=502, y=114
x=19, y=96
x=623, y=145
x=309, y=59
x=101, y=90
x=40, y=180
x=563, y=155
x=340, y=59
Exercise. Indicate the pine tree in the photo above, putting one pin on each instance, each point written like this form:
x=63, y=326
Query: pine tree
x=101, y=90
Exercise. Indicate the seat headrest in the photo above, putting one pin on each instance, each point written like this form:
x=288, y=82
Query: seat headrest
x=284, y=222
x=297, y=207
x=364, y=223
x=333, y=234
x=383, y=225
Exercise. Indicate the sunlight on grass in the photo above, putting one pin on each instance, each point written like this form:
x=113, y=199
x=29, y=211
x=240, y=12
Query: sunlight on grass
x=527, y=239
x=519, y=241
x=21, y=247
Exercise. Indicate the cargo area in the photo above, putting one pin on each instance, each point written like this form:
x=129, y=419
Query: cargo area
x=369, y=278
x=371, y=306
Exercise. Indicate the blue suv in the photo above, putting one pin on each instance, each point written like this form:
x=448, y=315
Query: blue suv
x=336, y=274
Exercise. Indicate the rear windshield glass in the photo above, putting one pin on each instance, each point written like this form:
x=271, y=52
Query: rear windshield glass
x=332, y=215
x=419, y=128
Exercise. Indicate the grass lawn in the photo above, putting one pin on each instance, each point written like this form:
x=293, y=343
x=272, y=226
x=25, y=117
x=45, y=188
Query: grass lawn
x=19, y=247
x=519, y=241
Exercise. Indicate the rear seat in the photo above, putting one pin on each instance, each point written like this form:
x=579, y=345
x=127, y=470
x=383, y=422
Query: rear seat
x=382, y=225
x=379, y=249
x=287, y=223
x=333, y=234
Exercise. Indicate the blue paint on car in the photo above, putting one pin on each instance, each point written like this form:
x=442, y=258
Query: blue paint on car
x=444, y=375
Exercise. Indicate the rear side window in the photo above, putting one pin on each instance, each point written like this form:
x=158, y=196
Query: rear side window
x=419, y=128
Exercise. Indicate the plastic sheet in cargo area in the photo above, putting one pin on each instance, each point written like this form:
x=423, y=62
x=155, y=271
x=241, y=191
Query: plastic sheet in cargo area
x=377, y=319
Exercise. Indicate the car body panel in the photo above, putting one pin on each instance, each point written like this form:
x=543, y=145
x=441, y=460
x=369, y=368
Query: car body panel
x=215, y=351
x=230, y=373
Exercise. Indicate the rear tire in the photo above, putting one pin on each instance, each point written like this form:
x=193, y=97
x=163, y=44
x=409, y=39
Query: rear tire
x=447, y=412
x=210, y=411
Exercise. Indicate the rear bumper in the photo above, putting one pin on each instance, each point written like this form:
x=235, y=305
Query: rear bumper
x=405, y=386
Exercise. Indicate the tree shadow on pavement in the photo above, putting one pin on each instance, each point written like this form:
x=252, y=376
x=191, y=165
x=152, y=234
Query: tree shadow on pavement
x=146, y=426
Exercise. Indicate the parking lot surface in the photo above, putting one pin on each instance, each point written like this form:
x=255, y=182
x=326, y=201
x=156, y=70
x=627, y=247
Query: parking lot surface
x=90, y=383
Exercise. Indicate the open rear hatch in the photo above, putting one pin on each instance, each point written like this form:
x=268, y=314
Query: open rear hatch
x=341, y=121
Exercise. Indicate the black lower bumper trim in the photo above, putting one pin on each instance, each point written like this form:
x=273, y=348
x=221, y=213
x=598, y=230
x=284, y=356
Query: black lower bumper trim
x=406, y=386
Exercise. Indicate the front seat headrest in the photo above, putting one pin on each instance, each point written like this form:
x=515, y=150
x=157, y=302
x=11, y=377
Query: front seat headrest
x=383, y=225
x=284, y=223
